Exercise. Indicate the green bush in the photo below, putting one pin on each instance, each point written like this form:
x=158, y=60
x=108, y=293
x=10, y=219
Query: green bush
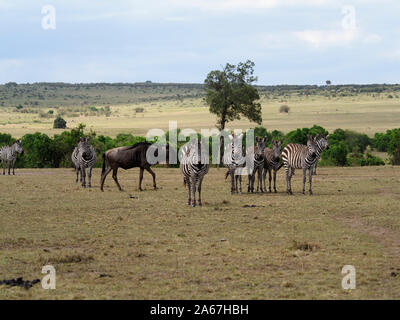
x=394, y=146
x=346, y=147
x=389, y=142
x=381, y=141
x=371, y=160
x=59, y=123
x=40, y=151
x=5, y=139
x=336, y=154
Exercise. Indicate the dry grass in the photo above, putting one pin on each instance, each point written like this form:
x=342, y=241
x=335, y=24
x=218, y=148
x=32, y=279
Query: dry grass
x=362, y=113
x=109, y=245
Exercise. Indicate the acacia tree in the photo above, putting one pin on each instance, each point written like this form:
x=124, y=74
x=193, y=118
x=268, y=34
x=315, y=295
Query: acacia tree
x=231, y=95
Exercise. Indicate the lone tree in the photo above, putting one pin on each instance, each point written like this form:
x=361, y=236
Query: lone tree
x=230, y=95
x=59, y=123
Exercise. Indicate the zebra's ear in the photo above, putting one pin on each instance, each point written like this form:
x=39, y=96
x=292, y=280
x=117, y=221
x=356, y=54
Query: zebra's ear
x=265, y=139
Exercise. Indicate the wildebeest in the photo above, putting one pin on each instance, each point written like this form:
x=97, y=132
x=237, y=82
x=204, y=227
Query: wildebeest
x=127, y=158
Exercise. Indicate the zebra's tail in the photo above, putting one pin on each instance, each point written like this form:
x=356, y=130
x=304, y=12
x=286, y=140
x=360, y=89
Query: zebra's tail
x=280, y=166
x=103, y=169
x=226, y=174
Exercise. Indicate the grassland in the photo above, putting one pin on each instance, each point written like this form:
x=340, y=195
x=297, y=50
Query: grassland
x=152, y=245
x=363, y=112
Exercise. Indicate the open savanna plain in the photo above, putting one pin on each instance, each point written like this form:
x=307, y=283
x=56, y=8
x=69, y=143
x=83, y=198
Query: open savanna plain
x=151, y=245
x=136, y=109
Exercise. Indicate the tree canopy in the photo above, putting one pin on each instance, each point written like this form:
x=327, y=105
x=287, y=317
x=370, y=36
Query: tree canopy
x=230, y=93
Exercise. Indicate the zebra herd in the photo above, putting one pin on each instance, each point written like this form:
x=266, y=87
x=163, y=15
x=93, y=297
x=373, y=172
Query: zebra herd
x=194, y=162
x=294, y=156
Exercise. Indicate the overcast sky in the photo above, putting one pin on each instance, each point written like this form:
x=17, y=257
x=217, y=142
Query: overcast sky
x=290, y=41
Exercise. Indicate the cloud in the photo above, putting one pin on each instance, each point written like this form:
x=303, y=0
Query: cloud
x=392, y=54
x=336, y=38
x=321, y=38
x=234, y=5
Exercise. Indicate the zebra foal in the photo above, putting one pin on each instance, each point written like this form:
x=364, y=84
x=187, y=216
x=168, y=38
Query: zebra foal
x=194, y=165
x=9, y=154
x=298, y=156
x=85, y=156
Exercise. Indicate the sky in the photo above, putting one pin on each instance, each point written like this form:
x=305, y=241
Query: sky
x=290, y=41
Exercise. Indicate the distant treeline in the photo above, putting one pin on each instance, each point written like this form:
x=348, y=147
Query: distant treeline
x=51, y=95
x=347, y=148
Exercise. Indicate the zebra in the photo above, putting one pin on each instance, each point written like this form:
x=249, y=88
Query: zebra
x=75, y=161
x=324, y=143
x=271, y=162
x=87, y=158
x=9, y=154
x=257, y=152
x=298, y=156
x=234, y=160
x=194, y=164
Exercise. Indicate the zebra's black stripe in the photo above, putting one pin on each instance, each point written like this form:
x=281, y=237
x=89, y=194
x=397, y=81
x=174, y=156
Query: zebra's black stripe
x=272, y=163
x=9, y=154
x=86, y=158
x=257, y=158
x=234, y=160
x=297, y=156
x=194, y=165
x=75, y=161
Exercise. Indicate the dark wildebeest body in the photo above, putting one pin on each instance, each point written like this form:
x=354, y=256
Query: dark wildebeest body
x=127, y=158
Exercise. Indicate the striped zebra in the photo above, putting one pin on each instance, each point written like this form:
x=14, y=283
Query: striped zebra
x=194, y=164
x=257, y=154
x=271, y=163
x=9, y=154
x=75, y=161
x=298, y=156
x=86, y=159
x=234, y=160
